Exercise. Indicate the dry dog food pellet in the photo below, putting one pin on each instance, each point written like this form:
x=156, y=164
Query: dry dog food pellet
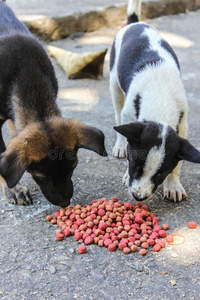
x=82, y=249
x=126, y=250
x=169, y=239
x=88, y=240
x=67, y=232
x=60, y=237
x=111, y=223
x=192, y=225
x=157, y=248
x=145, y=245
x=112, y=247
x=134, y=248
x=165, y=226
x=162, y=233
x=49, y=218
x=143, y=252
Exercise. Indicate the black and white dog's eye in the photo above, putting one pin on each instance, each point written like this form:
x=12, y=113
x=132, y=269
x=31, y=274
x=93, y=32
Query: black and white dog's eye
x=138, y=168
x=159, y=175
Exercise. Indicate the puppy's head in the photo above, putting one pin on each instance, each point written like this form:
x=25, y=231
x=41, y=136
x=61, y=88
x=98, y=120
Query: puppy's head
x=48, y=151
x=153, y=151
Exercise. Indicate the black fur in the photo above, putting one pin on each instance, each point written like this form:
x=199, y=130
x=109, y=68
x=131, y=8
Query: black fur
x=137, y=105
x=53, y=175
x=132, y=18
x=180, y=118
x=26, y=71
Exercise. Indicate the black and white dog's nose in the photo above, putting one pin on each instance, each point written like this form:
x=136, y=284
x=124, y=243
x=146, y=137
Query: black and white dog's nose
x=139, y=197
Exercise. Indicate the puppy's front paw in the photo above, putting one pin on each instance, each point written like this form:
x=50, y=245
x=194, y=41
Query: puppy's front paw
x=125, y=179
x=119, y=152
x=18, y=195
x=173, y=190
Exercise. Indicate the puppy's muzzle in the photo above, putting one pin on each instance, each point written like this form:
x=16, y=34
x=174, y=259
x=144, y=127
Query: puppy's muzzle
x=140, y=197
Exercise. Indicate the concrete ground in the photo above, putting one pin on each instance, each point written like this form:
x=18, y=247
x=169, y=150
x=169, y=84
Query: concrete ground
x=33, y=265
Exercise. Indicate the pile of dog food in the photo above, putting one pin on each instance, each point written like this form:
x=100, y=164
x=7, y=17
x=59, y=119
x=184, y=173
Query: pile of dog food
x=113, y=224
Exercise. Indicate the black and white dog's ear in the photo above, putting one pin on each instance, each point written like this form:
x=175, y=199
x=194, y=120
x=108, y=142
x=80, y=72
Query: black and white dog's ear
x=188, y=152
x=131, y=131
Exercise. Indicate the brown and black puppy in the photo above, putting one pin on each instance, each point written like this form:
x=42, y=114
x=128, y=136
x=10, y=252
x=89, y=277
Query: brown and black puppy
x=42, y=142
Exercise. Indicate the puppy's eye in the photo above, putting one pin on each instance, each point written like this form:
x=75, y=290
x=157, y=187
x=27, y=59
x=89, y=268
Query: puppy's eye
x=159, y=175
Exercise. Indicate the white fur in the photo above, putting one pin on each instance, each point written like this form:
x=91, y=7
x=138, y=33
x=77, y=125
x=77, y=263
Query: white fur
x=134, y=7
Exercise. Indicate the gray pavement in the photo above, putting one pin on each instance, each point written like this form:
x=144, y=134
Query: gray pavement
x=33, y=265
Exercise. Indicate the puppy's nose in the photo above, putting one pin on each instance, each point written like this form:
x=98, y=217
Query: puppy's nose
x=139, y=197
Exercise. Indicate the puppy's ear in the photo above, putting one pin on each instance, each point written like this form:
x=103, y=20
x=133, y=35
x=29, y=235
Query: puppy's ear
x=131, y=131
x=70, y=134
x=91, y=138
x=188, y=152
x=30, y=145
x=12, y=167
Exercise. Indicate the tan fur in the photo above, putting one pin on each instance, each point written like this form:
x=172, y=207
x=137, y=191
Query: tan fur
x=66, y=133
x=12, y=129
x=34, y=143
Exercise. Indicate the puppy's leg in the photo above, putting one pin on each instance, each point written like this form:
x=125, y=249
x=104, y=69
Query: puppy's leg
x=19, y=194
x=173, y=189
x=118, y=103
x=125, y=179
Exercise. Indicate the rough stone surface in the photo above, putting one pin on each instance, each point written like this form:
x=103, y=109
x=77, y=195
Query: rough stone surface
x=28, y=248
x=53, y=21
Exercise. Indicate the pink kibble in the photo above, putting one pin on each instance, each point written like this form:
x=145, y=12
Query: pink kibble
x=107, y=242
x=101, y=212
x=82, y=249
x=67, y=232
x=88, y=240
x=157, y=248
x=111, y=247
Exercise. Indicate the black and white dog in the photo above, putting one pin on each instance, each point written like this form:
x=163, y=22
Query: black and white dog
x=150, y=110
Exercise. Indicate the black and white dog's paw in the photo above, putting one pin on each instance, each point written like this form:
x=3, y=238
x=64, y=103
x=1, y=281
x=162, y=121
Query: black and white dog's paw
x=119, y=152
x=173, y=190
x=125, y=179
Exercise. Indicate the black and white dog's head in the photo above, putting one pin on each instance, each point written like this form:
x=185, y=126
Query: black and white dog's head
x=153, y=151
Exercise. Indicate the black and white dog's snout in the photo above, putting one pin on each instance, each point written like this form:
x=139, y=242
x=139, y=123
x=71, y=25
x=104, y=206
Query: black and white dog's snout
x=138, y=197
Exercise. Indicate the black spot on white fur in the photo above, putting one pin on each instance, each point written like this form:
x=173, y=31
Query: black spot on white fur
x=180, y=118
x=137, y=105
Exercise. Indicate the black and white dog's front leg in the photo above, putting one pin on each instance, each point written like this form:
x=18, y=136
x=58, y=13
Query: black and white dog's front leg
x=172, y=188
x=119, y=150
